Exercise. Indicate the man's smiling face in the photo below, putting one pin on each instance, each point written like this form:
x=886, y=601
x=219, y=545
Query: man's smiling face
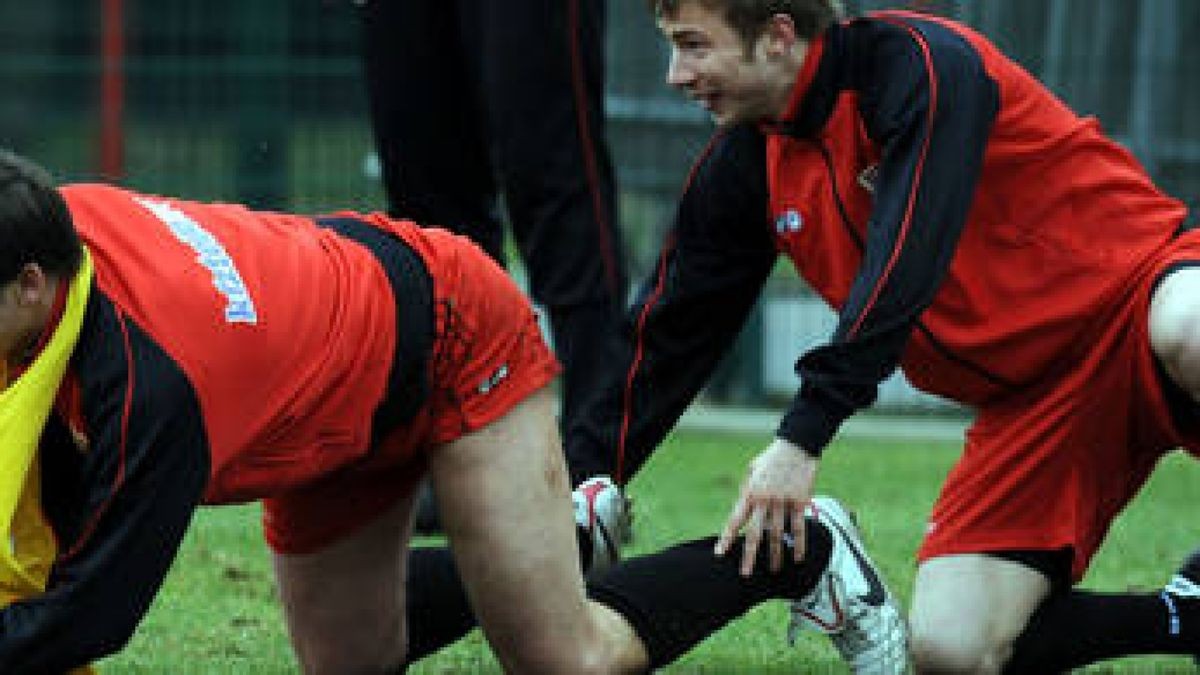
x=712, y=64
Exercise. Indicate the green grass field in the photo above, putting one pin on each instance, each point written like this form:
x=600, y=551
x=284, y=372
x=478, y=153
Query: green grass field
x=218, y=614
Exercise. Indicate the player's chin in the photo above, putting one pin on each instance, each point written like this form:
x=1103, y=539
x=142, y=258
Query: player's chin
x=720, y=116
x=726, y=116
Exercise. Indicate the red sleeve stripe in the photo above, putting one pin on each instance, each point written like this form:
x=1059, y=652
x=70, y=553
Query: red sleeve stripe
x=603, y=221
x=912, y=195
x=119, y=479
x=627, y=406
x=659, y=288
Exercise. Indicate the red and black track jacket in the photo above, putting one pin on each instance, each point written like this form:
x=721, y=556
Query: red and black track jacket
x=963, y=222
x=225, y=355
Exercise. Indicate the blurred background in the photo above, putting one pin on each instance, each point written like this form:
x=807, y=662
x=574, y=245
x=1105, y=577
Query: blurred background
x=262, y=103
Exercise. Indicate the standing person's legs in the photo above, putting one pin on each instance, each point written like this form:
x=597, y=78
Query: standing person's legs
x=345, y=604
x=429, y=123
x=543, y=80
x=422, y=77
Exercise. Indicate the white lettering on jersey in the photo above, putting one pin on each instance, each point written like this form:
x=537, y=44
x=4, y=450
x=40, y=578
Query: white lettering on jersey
x=239, y=306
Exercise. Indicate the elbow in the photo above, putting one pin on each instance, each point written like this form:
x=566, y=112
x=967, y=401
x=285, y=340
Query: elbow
x=97, y=635
x=111, y=641
x=112, y=630
x=68, y=651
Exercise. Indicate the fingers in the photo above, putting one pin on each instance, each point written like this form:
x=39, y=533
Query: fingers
x=776, y=522
x=766, y=517
x=754, y=532
x=737, y=518
x=775, y=493
x=749, y=518
x=798, y=542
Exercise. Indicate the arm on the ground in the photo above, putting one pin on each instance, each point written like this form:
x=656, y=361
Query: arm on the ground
x=688, y=312
x=119, y=509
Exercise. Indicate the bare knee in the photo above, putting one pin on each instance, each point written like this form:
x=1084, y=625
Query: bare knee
x=324, y=657
x=369, y=645
x=1179, y=352
x=967, y=610
x=588, y=647
x=601, y=643
x=547, y=655
x=956, y=651
x=354, y=665
x=344, y=604
x=1175, y=328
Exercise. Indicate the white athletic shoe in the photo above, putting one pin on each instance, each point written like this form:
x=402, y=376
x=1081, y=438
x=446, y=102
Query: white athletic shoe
x=850, y=602
x=602, y=510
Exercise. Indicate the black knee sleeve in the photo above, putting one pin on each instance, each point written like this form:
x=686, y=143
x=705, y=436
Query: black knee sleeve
x=676, y=598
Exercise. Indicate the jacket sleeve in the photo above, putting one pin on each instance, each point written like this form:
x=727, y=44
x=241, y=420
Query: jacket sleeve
x=710, y=272
x=928, y=101
x=119, y=508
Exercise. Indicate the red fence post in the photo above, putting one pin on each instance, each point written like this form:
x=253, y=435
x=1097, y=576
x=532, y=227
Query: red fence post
x=112, y=90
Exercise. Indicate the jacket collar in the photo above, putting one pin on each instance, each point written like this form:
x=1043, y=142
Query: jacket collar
x=815, y=91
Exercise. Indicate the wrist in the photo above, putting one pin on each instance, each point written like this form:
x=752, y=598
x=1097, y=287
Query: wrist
x=794, y=447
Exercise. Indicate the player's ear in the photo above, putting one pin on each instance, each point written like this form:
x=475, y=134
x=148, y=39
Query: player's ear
x=779, y=35
x=31, y=285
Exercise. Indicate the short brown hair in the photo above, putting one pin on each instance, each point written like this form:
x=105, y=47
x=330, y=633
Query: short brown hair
x=748, y=17
x=35, y=225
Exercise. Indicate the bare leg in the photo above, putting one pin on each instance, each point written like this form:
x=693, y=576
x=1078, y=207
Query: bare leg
x=968, y=609
x=345, y=604
x=505, y=506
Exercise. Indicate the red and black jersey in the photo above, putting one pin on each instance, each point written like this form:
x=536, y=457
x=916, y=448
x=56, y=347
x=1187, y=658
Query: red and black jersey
x=964, y=223
x=282, y=328
x=225, y=355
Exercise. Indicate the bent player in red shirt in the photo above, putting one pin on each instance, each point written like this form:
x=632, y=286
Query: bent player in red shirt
x=322, y=365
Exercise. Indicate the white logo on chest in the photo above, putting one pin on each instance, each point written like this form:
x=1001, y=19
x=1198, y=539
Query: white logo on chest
x=868, y=178
x=789, y=222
